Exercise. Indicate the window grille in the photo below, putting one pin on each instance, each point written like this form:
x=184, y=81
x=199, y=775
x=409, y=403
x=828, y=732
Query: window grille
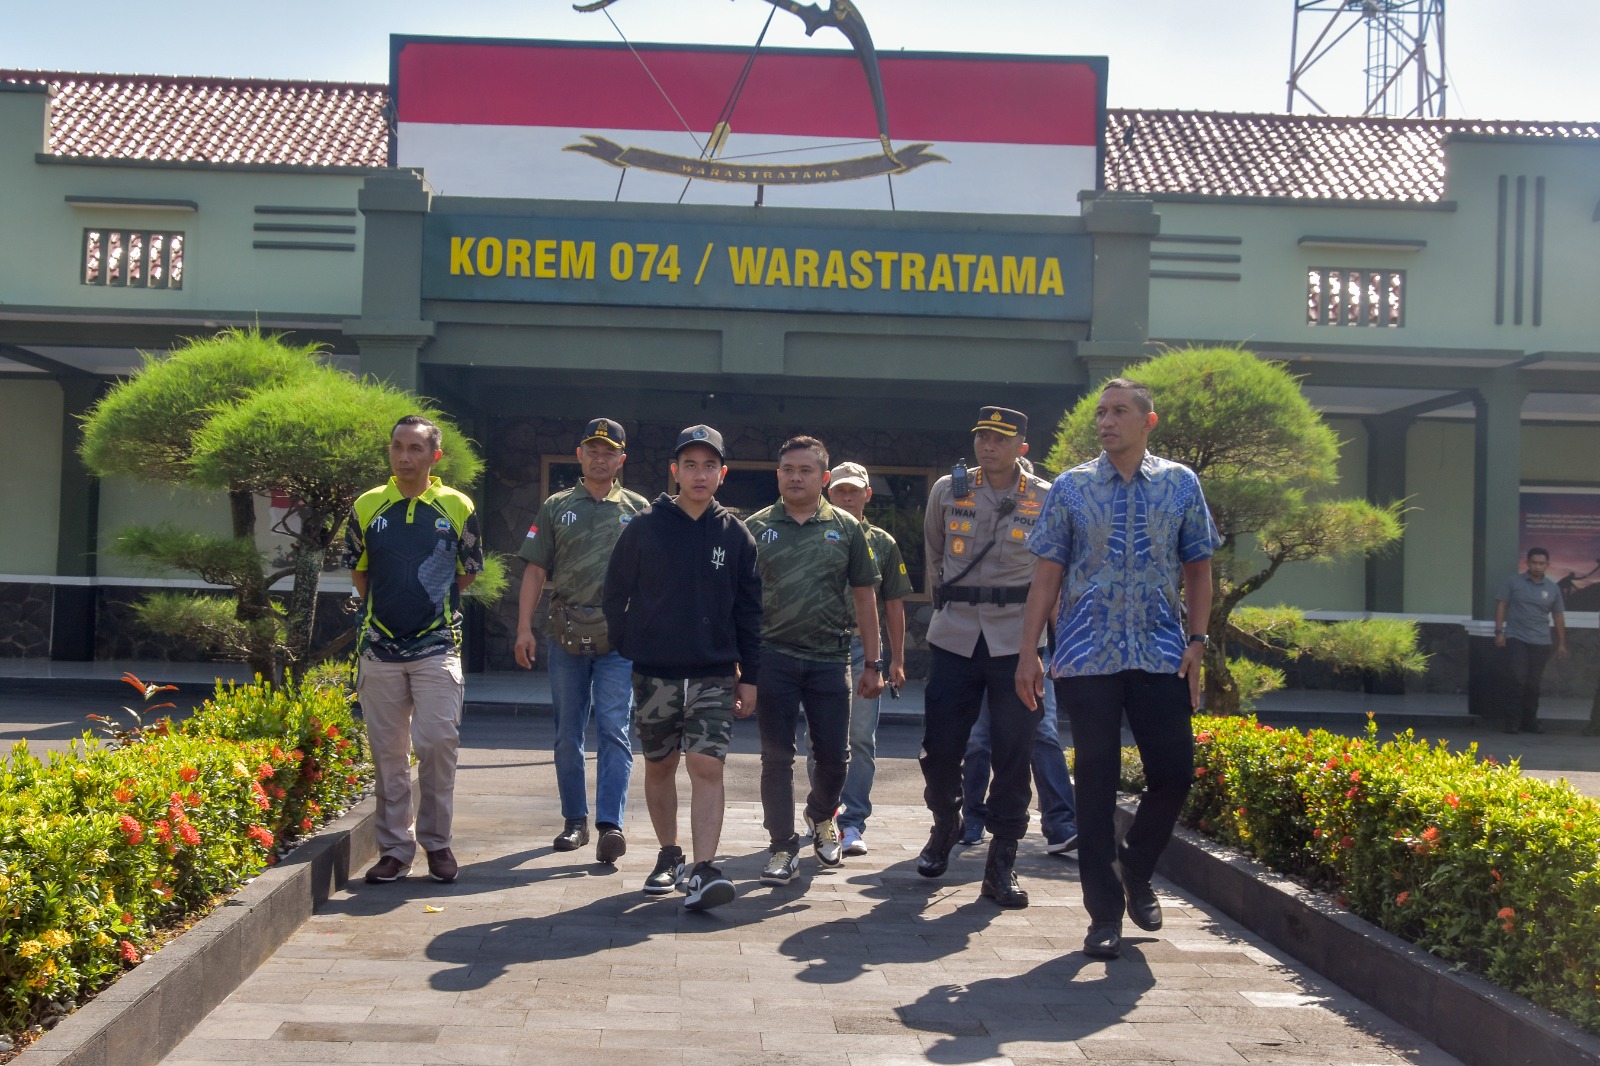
x=1340, y=296
x=137, y=259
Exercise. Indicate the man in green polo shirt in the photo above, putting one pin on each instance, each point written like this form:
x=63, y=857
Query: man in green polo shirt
x=815, y=566
x=569, y=547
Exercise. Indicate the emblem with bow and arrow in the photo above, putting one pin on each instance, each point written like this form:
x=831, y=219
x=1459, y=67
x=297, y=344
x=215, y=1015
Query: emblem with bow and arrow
x=843, y=16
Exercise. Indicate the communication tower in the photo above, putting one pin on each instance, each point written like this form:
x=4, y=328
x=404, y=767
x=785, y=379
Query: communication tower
x=1405, y=52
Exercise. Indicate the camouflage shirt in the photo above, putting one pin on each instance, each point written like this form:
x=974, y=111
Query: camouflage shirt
x=893, y=581
x=807, y=572
x=572, y=537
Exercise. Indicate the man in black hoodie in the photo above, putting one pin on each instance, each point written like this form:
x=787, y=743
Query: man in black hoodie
x=683, y=603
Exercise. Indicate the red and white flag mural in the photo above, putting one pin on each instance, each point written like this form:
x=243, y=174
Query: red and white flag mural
x=581, y=121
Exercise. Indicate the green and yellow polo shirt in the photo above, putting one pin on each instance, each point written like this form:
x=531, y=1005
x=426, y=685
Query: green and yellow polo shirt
x=807, y=572
x=412, y=550
x=571, y=540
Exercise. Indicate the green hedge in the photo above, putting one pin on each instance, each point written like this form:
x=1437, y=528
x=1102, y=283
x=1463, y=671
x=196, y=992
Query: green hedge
x=101, y=848
x=1461, y=856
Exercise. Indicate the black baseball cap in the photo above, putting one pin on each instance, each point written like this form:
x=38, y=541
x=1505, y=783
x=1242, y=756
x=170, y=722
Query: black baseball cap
x=700, y=435
x=608, y=430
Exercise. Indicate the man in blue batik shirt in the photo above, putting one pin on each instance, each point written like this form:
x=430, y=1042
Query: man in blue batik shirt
x=1120, y=539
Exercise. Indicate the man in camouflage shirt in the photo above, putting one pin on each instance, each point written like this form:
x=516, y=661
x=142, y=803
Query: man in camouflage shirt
x=850, y=489
x=815, y=563
x=569, y=547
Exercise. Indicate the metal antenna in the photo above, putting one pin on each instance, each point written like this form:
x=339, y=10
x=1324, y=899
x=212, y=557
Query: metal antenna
x=1405, y=64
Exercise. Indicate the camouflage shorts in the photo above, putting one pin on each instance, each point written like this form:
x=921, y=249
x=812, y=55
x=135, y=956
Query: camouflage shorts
x=687, y=714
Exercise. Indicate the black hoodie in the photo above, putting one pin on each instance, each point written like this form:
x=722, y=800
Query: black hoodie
x=683, y=596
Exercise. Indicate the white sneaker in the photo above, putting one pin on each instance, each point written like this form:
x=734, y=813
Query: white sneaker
x=825, y=840
x=853, y=844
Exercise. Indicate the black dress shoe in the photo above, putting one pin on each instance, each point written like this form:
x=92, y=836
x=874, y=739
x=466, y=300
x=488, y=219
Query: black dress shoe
x=1143, y=907
x=935, y=857
x=573, y=837
x=1104, y=940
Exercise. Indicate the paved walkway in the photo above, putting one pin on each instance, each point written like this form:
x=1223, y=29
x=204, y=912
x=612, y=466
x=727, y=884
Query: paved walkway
x=539, y=957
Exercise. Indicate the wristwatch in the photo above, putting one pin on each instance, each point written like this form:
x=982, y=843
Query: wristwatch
x=878, y=665
x=1199, y=638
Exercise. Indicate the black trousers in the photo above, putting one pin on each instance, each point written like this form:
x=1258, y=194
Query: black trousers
x=1527, y=666
x=821, y=691
x=956, y=687
x=1157, y=709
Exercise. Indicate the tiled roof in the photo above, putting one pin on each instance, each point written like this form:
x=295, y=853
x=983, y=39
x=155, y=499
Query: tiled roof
x=1299, y=156
x=232, y=120
x=214, y=120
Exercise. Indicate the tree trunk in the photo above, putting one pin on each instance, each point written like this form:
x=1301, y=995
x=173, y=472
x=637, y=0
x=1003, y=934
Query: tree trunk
x=242, y=506
x=302, y=611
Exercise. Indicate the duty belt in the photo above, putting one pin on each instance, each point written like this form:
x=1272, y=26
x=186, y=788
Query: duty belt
x=975, y=594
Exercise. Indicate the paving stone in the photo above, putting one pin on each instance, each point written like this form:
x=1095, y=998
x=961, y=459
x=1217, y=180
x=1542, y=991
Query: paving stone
x=542, y=957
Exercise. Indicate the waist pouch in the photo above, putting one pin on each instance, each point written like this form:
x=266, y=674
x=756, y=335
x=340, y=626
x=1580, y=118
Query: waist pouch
x=581, y=630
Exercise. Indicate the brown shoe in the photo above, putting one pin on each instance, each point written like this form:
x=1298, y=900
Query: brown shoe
x=387, y=869
x=442, y=865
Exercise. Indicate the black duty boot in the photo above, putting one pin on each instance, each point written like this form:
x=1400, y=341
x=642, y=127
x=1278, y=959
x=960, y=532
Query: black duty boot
x=999, y=877
x=935, y=855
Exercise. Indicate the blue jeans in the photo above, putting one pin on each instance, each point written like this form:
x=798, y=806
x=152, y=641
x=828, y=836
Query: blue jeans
x=602, y=684
x=1057, y=815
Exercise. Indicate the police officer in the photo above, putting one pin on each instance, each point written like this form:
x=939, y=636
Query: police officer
x=976, y=531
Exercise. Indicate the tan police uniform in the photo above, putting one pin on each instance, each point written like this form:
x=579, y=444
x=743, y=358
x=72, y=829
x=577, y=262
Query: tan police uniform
x=989, y=598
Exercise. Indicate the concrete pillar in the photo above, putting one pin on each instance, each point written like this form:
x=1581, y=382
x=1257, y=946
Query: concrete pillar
x=1119, y=321
x=1497, y=499
x=72, y=616
x=1386, y=483
x=391, y=331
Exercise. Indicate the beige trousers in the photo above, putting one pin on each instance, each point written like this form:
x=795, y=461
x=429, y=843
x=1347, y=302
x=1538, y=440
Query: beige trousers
x=415, y=704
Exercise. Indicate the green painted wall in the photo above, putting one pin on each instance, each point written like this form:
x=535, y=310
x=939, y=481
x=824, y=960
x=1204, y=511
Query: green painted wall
x=31, y=413
x=223, y=271
x=1561, y=453
x=1438, y=546
x=1450, y=284
x=125, y=503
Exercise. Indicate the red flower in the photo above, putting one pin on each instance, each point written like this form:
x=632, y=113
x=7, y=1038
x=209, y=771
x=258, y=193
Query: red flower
x=1355, y=775
x=132, y=831
x=264, y=771
x=192, y=799
x=1352, y=793
x=1402, y=898
x=305, y=825
x=189, y=834
x=1199, y=771
x=1431, y=833
x=261, y=835
x=130, y=954
x=162, y=830
x=1453, y=800
x=1506, y=912
x=188, y=773
x=127, y=919
x=1346, y=843
x=1202, y=738
x=333, y=732
x=122, y=795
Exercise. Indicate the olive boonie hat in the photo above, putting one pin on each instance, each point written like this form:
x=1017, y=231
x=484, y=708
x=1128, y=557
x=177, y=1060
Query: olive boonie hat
x=606, y=429
x=849, y=474
x=700, y=435
x=1002, y=420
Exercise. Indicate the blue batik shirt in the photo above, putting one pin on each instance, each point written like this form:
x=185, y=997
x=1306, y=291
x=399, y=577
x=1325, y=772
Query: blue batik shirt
x=1122, y=545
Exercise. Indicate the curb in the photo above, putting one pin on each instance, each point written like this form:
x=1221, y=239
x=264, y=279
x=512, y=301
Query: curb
x=150, y=1009
x=1468, y=1017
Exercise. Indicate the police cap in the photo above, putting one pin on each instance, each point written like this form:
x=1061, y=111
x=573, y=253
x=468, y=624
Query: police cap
x=1002, y=420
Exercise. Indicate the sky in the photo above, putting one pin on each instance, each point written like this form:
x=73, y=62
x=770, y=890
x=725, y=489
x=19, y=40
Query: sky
x=1526, y=59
